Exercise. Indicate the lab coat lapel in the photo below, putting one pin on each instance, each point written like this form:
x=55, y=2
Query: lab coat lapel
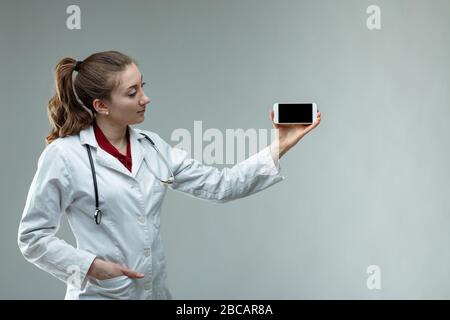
x=146, y=153
x=137, y=153
x=103, y=158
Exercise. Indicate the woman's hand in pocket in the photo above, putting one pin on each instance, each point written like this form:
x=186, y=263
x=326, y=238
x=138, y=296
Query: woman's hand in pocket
x=103, y=270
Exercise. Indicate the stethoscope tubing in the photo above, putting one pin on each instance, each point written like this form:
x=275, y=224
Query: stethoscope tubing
x=98, y=212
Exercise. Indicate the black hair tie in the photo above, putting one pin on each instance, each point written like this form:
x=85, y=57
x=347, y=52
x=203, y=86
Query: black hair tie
x=77, y=66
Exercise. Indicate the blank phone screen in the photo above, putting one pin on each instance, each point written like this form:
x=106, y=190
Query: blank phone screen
x=295, y=112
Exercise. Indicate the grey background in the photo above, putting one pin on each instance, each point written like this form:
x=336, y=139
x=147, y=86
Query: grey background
x=369, y=186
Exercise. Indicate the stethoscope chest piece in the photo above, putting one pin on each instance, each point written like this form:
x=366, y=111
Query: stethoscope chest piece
x=98, y=216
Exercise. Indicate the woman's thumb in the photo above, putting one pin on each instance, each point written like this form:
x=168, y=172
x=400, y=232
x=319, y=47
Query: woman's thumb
x=271, y=116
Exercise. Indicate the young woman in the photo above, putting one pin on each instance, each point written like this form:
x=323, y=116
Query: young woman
x=106, y=176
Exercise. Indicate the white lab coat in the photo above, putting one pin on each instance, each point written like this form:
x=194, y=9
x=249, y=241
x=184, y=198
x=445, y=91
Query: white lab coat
x=129, y=233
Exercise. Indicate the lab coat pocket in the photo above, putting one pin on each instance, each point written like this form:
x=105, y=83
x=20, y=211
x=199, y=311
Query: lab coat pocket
x=111, y=282
x=115, y=288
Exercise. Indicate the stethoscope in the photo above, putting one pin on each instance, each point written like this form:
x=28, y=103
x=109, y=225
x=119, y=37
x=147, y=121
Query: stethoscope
x=98, y=212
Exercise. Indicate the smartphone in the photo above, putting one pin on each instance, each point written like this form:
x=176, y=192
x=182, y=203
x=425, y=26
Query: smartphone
x=294, y=113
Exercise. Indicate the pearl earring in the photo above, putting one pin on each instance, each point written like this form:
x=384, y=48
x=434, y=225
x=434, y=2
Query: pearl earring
x=107, y=112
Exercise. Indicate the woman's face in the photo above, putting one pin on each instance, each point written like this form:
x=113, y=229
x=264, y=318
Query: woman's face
x=128, y=100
